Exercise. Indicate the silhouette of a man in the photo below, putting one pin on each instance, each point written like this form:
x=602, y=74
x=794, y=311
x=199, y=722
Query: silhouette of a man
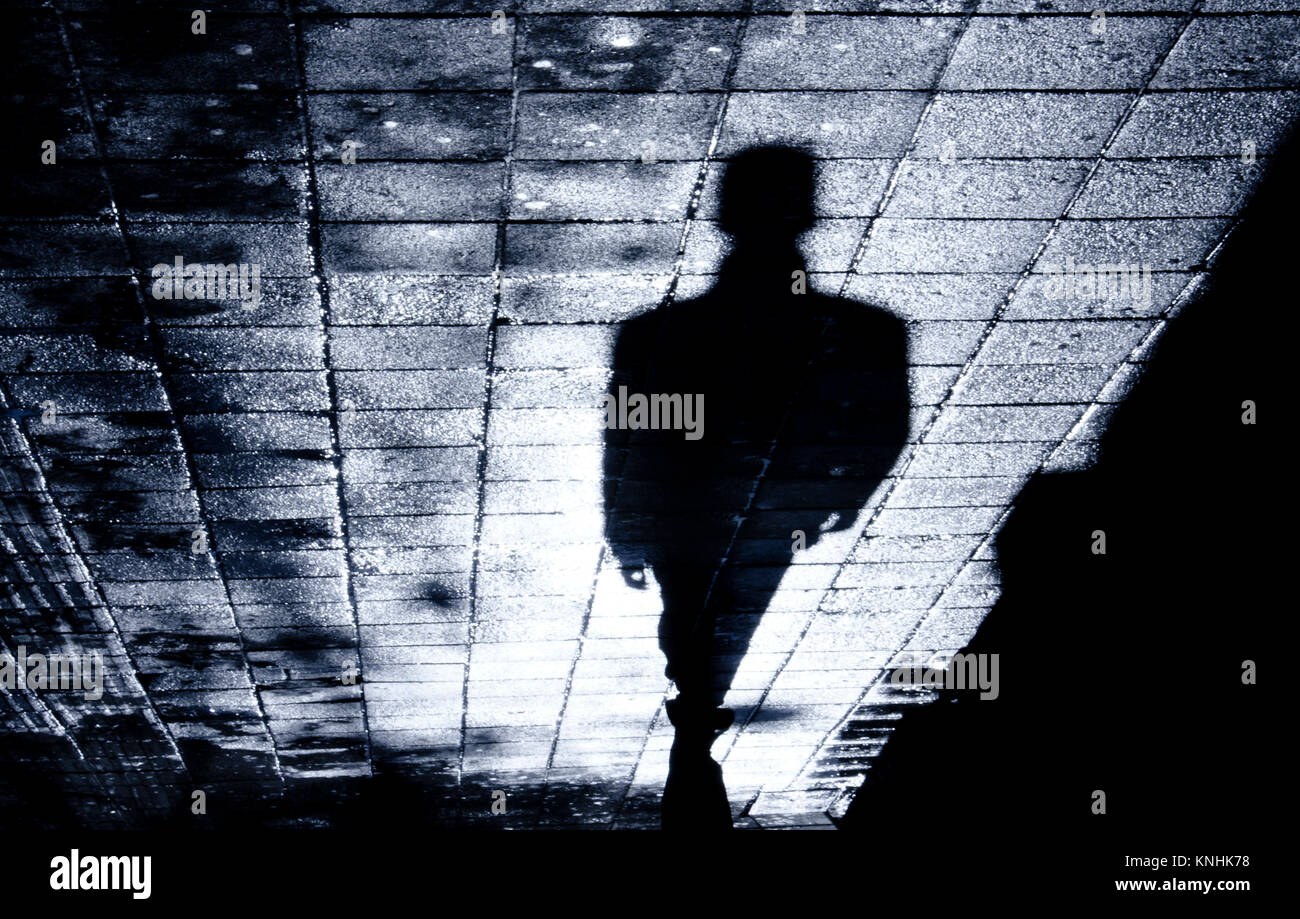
x=805, y=409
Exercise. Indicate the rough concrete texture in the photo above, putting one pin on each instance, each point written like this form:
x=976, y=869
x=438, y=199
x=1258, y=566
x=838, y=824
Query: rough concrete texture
x=391, y=465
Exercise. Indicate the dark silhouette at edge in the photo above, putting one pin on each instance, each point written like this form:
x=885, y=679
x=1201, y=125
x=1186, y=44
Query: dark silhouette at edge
x=1123, y=672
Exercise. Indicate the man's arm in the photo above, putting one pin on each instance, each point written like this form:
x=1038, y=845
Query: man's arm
x=866, y=381
x=632, y=350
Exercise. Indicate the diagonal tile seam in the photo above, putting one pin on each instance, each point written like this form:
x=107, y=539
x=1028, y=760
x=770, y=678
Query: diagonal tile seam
x=489, y=365
x=967, y=367
x=854, y=262
x=53, y=722
x=58, y=528
x=745, y=16
x=152, y=333
x=10, y=548
x=59, y=728
x=937, y=410
x=1132, y=360
x=327, y=358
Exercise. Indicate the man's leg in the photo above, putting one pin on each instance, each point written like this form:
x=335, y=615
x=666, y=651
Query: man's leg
x=685, y=632
x=686, y=638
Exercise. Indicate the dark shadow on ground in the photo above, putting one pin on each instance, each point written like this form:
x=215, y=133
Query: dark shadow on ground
x=801, y=408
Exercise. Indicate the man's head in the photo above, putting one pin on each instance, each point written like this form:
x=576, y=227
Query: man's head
x=767, y=195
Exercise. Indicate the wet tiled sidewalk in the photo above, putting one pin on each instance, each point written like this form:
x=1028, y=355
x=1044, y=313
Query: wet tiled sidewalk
x=355, y=528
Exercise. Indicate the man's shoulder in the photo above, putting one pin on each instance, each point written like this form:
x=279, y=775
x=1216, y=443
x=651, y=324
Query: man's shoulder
x=639, y=324
x=850, y=317
x=859, y=315
x=652, y=321
x=859, y=333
